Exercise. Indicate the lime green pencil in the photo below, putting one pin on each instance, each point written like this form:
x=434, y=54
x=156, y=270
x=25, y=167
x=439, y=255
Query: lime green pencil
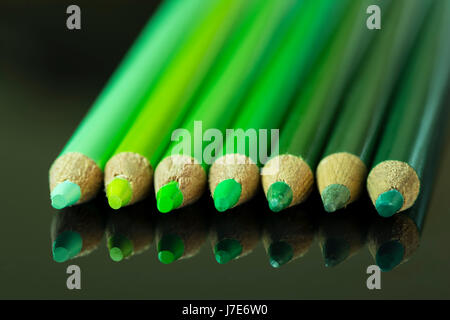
x=180, y=177
x=234, y=176
x=131, y=232
x=128, y=174
x=76, y=175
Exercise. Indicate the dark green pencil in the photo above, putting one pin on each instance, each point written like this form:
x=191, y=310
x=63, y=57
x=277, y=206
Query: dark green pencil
x=395, y=179
x=342, y=171
x=342, y=235
x=288, y=236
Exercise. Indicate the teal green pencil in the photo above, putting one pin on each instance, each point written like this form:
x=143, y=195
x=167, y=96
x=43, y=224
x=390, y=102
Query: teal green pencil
x=77, y=231
x=395, y=179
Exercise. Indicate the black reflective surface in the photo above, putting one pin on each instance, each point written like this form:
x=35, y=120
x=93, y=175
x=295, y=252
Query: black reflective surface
x=48, y=79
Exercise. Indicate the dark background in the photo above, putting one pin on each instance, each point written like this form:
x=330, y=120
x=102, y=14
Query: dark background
x=49, y=77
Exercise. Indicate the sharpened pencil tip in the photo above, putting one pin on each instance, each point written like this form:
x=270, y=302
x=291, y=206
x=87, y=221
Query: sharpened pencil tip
x=65, y=194
x=389, y=255
x=119, y=193
x=280, y=253
x=119, y=247
x=169, y=197
x=335, y=197
x=389, y=202
x=279, y=196
x=170, y=248
x=227, y=194
x=66, y=246
x=335, y=251
x=227, y=250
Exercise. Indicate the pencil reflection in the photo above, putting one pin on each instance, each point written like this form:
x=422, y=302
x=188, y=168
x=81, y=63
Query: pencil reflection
x=288, y=235
x=235, y=233
x=343, y=233
x=180, y=234
x=130, y=230
x=77, y=231
x=393, y=241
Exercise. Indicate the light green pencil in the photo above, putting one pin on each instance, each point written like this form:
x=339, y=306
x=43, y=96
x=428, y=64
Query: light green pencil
x=129, y=172
x=76, y=175
x=180, y=177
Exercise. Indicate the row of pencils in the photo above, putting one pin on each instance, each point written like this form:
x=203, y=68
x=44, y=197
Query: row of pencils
x=354, y=107
x=286, y=237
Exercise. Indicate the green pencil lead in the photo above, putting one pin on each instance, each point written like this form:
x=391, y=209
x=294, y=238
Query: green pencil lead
x=227, y=250
x=389, y=255
x=280, y=253
x=279, y=196
x=388, y=203
x=227, y=194
x=66, y=246
x=65, y=194
x=335, y=251
x=335, y=197
x=119, y=247
x=169, y=197
x=119, y=193
x=170, y=248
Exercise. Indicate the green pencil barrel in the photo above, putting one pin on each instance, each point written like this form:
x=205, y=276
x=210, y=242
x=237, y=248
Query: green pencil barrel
x=308, y=124
x=124, y=95
x=394, y=182
x=418, y=103
x=251, y=45
x=168, y=102
x=181, y=176
x=361, y=119
x=269, y=99
x=234, y=176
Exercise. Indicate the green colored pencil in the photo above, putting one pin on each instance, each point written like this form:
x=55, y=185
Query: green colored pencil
x=235, y=235
x=234, y=177
x=129, y=233
x=342, y=236
x=394, y=240
x=395, y=179
x=180, y=177
x=129, y=172
x=288, y=236
x=181, y=235
x=77, y=231
x=342, y=171
x=76, y=175
x=287, y=178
